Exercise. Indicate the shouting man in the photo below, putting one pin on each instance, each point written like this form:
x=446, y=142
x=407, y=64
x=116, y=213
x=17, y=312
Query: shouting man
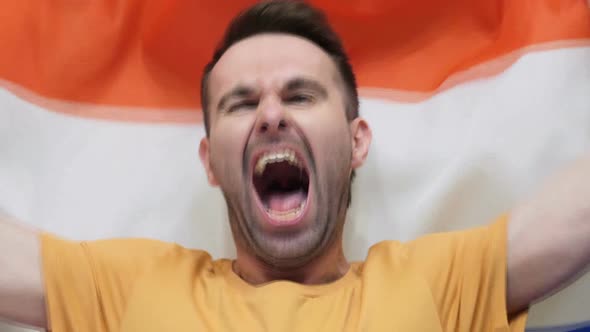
x=284, y=139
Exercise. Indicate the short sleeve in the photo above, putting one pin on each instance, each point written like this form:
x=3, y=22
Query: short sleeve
x=466, y=271
x=87, y=283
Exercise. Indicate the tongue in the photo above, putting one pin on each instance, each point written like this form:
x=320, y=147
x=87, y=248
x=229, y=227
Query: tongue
x=285, y=201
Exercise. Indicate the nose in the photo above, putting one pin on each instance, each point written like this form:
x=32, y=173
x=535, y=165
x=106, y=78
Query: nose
x=271, y=119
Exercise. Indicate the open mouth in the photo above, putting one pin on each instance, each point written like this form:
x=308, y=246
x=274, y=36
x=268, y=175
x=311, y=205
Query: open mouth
x=281, y=182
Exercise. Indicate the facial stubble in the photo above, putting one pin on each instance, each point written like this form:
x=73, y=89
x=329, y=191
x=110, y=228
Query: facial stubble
x=289, y=250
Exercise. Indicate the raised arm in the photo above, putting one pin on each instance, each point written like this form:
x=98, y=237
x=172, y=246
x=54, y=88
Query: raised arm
x=549, y=237
x=21, y=289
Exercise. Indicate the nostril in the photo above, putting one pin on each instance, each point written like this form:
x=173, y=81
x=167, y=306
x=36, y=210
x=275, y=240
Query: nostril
x=264, y=127
x=282, y=124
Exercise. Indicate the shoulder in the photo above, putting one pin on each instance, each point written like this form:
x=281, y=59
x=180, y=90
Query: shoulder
x=130, y=254
x=141, y=247
x=435, y=249
x=152, y=252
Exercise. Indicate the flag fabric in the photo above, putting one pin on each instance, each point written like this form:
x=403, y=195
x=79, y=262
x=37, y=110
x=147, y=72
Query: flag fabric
x=472, y=104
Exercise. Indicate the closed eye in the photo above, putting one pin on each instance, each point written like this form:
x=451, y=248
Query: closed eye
x=299, y=99
x=243, y=105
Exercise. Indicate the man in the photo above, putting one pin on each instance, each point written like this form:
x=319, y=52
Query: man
x=284, y=138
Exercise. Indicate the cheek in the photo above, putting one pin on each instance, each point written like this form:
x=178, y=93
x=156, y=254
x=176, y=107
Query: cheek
x=227, y=142
x=328, y=133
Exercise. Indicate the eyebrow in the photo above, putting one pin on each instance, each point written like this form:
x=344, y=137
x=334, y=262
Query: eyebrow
x=296, y=83
x=239, y=91
x=305, y=83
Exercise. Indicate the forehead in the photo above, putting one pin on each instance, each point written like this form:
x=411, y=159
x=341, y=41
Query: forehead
x=268, y=61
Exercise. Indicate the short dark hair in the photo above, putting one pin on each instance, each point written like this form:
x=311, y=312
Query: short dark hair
x=294, y=17
x=289, y=17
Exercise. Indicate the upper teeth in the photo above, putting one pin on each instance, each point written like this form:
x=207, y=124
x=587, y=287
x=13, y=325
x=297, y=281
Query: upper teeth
x=275, y=157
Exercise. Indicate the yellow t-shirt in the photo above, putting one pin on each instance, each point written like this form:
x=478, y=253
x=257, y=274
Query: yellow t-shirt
x=452, y=281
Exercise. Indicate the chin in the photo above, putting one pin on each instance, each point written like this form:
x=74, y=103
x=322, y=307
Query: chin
x=291, y=248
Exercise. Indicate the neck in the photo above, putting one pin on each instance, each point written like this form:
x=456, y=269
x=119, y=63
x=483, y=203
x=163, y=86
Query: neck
x=329, y=266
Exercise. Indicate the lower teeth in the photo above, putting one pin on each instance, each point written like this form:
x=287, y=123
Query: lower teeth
x=286, y=215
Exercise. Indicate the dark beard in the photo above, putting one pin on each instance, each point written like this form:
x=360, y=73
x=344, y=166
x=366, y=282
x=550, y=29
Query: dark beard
x=292, y=250
x=289, y=251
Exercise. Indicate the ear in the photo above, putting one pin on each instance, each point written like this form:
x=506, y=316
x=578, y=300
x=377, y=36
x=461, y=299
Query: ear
x=205, y=160
x=361, y=141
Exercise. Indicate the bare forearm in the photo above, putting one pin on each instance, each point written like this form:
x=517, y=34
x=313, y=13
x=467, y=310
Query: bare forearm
x=549, y=237
x=21, y=291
